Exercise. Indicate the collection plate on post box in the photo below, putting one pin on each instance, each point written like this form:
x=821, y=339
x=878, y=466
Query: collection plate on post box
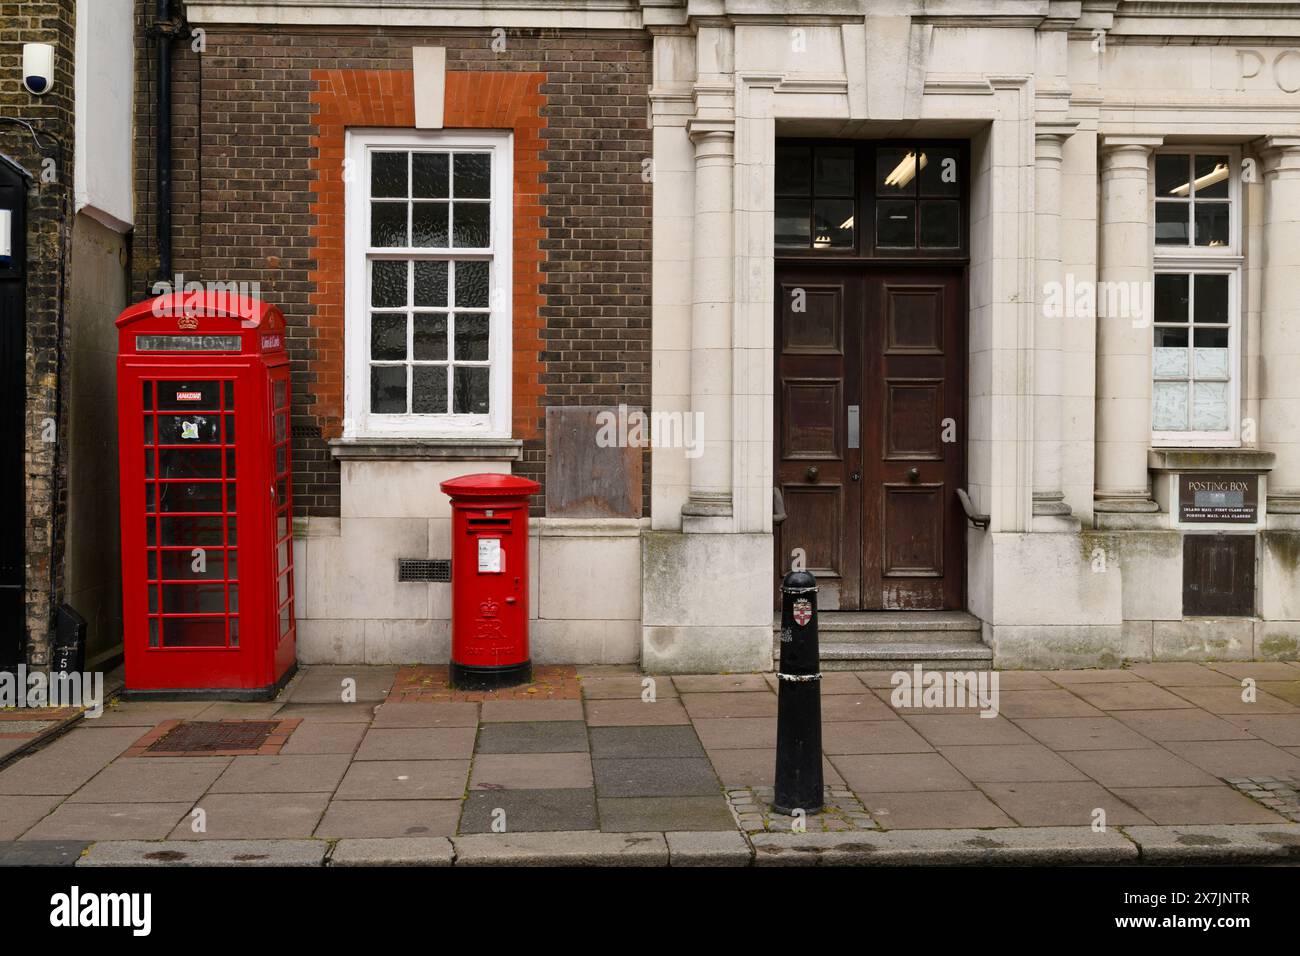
x=1218, y=498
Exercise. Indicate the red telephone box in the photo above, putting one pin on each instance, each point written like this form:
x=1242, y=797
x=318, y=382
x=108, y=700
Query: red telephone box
x=489, y=580
x=206, y=499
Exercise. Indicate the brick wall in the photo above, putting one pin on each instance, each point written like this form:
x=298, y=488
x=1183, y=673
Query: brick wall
x=247, y=206
x=49, y=227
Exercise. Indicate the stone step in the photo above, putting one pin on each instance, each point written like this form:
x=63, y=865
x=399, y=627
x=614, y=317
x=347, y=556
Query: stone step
x=894, y=627
x=953, y=655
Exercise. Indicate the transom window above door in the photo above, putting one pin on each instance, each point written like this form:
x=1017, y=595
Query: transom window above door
x=869, y=199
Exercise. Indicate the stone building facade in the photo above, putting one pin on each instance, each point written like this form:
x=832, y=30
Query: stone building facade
x=986, y=312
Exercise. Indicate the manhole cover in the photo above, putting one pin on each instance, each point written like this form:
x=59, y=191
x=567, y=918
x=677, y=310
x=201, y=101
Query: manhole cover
x=198, y=736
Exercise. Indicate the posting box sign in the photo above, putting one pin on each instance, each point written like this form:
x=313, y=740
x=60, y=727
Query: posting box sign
x=1218, y=499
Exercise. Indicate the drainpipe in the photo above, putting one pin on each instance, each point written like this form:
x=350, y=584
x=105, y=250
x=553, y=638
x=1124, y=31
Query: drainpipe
x=165, y=31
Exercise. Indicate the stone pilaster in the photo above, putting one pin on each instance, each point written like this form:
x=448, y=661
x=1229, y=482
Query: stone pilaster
x=1279, y=404
x=1124, y=341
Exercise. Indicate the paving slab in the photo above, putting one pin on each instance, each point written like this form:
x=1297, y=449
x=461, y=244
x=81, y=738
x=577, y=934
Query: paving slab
x=531, y=772
x=1196, y=724
x=365, y=819
x=1227, y=700
x=719, y=683
x=147, y=713
x=1044, y=703
x=323, y=683
x=253, y=816
x=956, y=729
x=855, y=706
x=708, y=848
x=237, y=710
x=1282, y=730
x=1196, y=805
x=707, y=706
x=1085, y=733
x=655, y=777
x=206, y=853
x=1238, y=758
x=633, y=713
x=404, y=780
x=522, y=811
x=872, y=737
x=153, y=780
x=42, y=852
x=426, y=714
x=516, y=711
x=1138, y=768
x=300, y=773
x=662, y=741
x=1010, y=764
x=316, y=736
x=635, y=814
x=1217, y=844
x=626, y=686
x=329, y=713
x=536, y=737
x=109, y=821
x=898, y=773
x=1286, y=690
x=1256, y=670
x=18, y=814
x=1022, y=846
x=1131, y=696
x=1181, y=674
x=756, y=767
x=934, y=809
x=399, y=851
x=417, y=743
x=67, y=763
x=1071, y=678
x=737, y=733
x=561, y=849
x=1064, y=803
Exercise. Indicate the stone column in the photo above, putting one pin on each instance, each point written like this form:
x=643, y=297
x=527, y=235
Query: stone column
x=1279, y=404
x=709, y=507
x=1048, y=498
x=1124, y=341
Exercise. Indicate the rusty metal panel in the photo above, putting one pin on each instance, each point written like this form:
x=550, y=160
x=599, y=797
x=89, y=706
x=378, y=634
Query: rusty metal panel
x=1219, y=575
x=587, y=478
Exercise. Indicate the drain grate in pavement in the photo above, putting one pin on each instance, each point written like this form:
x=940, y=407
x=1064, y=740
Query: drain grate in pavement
x=1279, y=794
x=214, y=738
x=843, y=811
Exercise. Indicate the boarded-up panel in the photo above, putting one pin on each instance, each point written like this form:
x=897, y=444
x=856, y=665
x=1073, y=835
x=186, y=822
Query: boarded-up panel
x=593, y=461
x=1219, y=575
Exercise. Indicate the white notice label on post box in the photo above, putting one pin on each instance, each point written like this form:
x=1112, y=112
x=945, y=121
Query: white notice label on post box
x=489, y=555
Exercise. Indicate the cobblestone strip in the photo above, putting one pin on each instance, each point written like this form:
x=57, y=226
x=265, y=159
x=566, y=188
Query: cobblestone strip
x=843, y=811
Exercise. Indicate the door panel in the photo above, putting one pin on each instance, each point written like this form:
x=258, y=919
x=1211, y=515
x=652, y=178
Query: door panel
x=818, y=330
x=877, y=518
x=13, y=410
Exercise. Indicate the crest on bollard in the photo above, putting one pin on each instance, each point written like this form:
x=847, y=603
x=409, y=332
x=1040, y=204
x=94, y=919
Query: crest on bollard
x=802, y=611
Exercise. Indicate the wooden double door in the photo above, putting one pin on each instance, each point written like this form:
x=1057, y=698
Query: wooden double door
x=870, y=431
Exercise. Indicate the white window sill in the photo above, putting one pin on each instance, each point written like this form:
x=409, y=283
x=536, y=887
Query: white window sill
x=427, y=449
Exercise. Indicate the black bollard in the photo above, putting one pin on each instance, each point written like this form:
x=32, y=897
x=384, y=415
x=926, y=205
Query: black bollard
x=799, y=700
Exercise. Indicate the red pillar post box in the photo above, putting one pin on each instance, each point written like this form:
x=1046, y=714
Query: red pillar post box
x=206, y=499
x=489, y=580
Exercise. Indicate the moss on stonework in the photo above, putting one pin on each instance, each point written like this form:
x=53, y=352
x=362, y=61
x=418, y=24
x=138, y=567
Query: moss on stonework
x=1283, y=547
x=1279, y=647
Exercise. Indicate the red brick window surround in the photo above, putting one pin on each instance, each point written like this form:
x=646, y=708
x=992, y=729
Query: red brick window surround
x=385, y=98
